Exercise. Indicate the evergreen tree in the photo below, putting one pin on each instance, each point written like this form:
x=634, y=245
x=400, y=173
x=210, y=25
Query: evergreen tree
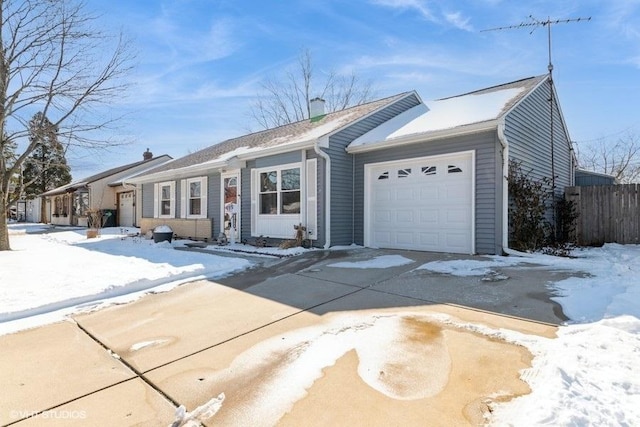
x=46, y=167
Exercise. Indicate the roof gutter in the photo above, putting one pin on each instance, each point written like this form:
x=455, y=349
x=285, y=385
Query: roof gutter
x=327, y=194
x=505, y=185
x=225, y=163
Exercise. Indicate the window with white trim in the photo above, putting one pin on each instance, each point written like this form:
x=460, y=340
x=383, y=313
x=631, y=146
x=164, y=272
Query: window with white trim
x=165, y=199
x=194, y=197
x=279, y=191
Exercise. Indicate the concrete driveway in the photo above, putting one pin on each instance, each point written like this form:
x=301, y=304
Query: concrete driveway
x=296, y=342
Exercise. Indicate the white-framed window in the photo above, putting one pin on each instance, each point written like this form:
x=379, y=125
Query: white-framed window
x=165, y=200
x=279, y=191
x=194, y=197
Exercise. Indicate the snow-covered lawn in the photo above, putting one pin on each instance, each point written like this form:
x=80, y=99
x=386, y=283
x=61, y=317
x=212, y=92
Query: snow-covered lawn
x=588, y=375
x=47, y=276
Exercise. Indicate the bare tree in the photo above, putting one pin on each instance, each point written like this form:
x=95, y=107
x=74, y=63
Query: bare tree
x=52, y=60
x=286, y=99
x=619, y=158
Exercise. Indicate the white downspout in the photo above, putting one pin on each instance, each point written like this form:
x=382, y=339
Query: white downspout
x=327, y=194
x=505, y=186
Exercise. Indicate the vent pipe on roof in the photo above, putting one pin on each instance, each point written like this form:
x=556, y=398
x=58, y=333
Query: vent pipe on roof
x=316, y=108
x=147, y=155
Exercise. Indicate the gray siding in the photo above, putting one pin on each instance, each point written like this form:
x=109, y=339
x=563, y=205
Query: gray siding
x=342, y=171
x=147, y=200
x=528, y=132
x=586, y=178
x=213, y=202
x=488, y=182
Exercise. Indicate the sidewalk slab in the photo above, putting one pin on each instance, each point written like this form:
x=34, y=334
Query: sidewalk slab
x=161, y=328
x=50, y=365
x=258, y=370
x=130, y=403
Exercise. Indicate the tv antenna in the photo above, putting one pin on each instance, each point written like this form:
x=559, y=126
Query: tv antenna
x=534, y=24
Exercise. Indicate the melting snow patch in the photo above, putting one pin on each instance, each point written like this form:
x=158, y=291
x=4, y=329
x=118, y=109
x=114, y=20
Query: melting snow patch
x=384, y=261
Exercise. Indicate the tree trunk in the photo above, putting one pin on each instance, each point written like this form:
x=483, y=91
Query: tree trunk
x=4, y=229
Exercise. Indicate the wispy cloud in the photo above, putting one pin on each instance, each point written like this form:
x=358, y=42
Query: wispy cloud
x=457, y=20
x=416, y=5
x=429, y=12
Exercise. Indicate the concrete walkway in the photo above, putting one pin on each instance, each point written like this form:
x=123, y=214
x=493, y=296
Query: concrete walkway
x=298, y=342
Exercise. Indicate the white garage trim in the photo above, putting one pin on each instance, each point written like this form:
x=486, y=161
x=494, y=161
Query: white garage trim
x=465, y=210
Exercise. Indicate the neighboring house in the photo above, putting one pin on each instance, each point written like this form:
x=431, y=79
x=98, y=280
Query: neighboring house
x=107, y=191
x=585, y=178
x=394, y=173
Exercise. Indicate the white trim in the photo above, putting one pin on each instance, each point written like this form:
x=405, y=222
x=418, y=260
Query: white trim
x=311, y=198
x=185, y=185
x=232, y=174
x=277, y=225
x=172, y=199
x=368, y=183
x=505, y=185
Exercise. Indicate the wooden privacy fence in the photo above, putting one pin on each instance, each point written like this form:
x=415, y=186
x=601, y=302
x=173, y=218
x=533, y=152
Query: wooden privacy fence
x=606, y=214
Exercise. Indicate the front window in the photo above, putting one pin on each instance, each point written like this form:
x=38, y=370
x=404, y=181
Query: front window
x=280, y=192
x=165, y=200
x=195, y=198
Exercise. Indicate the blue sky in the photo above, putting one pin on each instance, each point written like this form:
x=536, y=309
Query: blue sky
x=200, y=62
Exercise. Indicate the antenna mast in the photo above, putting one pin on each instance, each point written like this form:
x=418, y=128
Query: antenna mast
x=534, y=24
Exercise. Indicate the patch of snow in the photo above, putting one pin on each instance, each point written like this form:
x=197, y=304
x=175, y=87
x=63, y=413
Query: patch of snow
x=163, y=229
x=201, y=413
x=144, y=344
x=384, y=261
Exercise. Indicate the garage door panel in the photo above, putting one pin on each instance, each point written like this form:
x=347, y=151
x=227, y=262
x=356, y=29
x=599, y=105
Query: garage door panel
x=423, y=204
x=429, y=216
x=405, y=216
x=404, y=193
x=382, y=238
x=382, y=195
x=405, y=238
x=383, y=217
x=457, y=217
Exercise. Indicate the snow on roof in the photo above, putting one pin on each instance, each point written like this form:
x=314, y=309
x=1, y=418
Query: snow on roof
x=443, y=114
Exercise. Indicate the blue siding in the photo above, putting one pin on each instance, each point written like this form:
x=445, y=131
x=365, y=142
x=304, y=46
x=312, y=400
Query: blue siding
x=528, y=132
x=488, y=182
x=342, y=171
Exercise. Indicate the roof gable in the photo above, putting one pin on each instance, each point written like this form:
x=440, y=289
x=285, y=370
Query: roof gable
x=450, y=116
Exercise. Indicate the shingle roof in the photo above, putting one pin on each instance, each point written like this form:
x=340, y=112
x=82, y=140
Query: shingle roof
x=93, y=178
x=304, y=130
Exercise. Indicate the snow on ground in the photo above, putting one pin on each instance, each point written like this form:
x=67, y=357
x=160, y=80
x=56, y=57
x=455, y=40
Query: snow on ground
x=588, y=375
x=585, y=376
x=47, y=276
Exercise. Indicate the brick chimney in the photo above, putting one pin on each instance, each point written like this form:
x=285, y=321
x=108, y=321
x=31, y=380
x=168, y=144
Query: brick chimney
x=316, y=108
x=147, y=155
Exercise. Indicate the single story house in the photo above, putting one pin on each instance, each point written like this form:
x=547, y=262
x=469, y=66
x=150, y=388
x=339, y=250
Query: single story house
x=106, y=191
x=397, y=172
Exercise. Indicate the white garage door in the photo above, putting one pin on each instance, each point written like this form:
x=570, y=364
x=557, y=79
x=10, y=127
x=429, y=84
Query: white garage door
x=421, y=204
x=125, y=209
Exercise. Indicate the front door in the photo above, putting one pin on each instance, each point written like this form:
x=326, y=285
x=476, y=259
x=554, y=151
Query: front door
x=231, y=205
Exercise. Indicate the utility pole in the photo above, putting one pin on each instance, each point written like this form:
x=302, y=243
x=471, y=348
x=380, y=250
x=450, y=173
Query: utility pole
x=534, y=24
